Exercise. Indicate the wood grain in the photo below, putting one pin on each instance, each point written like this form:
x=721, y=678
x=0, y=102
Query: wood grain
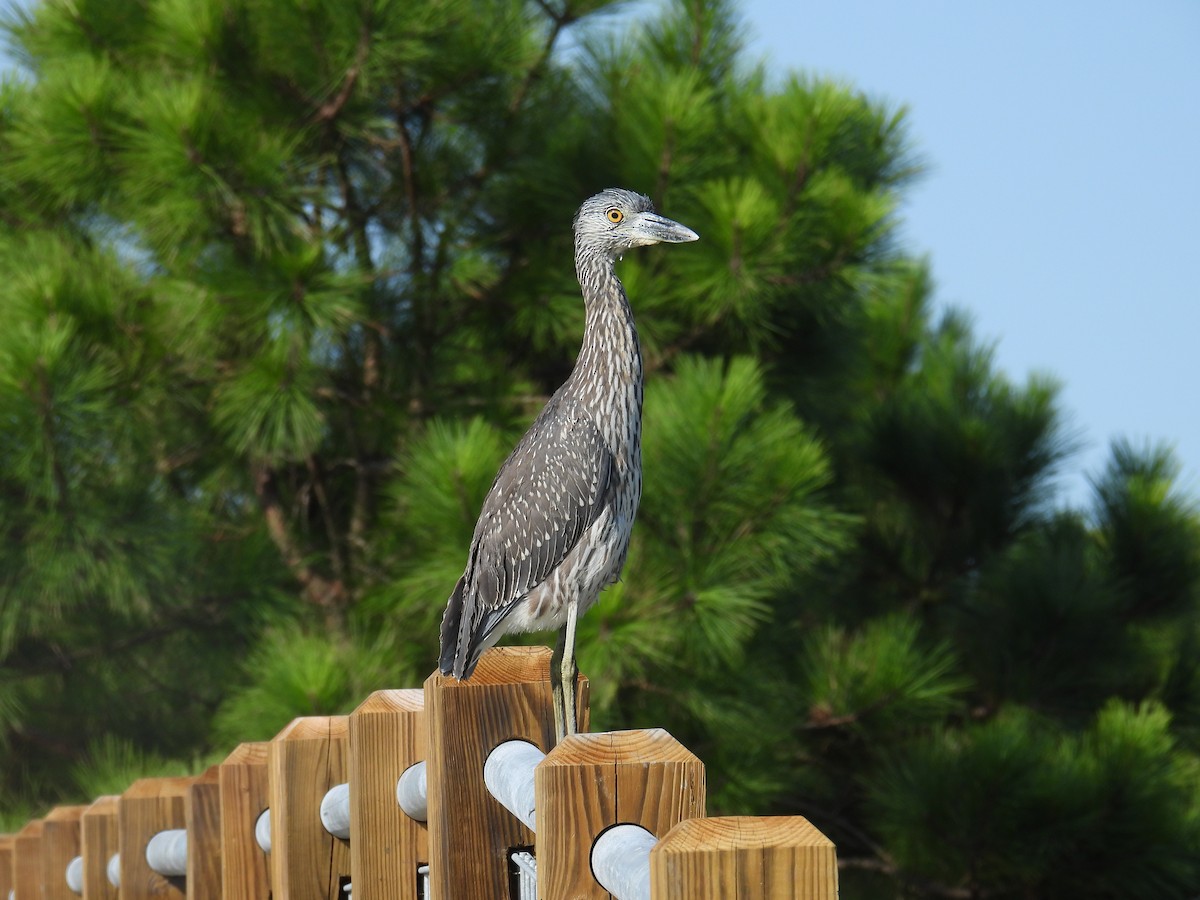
x=6, y=865
x=203, y=814
x=99, y=839
x=592, y=781
x=27, y=862
x=387, y=735
x=148, y=806
x=744, y=857
x=306, y=759
x=244, y=794
x=470, y=834
x=60, y=844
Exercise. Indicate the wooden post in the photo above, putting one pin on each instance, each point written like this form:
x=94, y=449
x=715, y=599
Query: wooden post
x=306, y=759
x=744, y=857
x=100, y=840
x=592, y=781
x=6, y=865
x=27, y=862
x=387, y=735
x=60, y=844
x=245, y=872
x=470, y=834
x=148, y=806
x=202, y=808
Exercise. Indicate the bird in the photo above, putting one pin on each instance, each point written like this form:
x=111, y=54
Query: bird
x=555, y=525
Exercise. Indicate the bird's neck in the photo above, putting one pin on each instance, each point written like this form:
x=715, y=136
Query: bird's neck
x=610, y=355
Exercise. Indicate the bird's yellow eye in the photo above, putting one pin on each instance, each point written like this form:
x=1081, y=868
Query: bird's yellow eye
x=614, y=215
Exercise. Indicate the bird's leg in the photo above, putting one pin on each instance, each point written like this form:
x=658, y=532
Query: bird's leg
x=570, y=672
x=556, y=685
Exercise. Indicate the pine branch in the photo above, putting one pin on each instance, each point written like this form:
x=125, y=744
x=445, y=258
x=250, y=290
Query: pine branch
x=38, y=658
x=817, y=722
x=325, y=595
x=408, y=173
x=814, y=275
x=925, y=887
x=373, y=337
x=799, y=179
x=697, y=33
x=356, y=537
x=664, y=162
x=45, y=402
x=565, y=17
x=336, y=553
x=330, y=110
x=478, y=176
x=560, y=21
x=668, y=353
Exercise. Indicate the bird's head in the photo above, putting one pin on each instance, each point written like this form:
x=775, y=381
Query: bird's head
x=616, y=220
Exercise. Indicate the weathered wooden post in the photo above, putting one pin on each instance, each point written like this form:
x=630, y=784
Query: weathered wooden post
x=590, y=782
x=387, y=735
x=100, y=841
x=244, y=795
x=470, y=833
x=148, y=806
x=306, y=759
x=6, y=865
x=27, y=862
x=744, y=858
x=60, y=844
x=202, y=807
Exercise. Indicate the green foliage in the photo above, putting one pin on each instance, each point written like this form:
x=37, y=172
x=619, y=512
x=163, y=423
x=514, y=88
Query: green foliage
x=295, y=673
x=1149, y=532
x=284, y=282
x=433, y=504
x=880, y=681
x=732, y=511
x=112, y=764
x=1044, y=626
x=1017, y=805
x=961, y=456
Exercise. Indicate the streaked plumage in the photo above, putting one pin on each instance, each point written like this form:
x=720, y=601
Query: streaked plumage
x=554, y=529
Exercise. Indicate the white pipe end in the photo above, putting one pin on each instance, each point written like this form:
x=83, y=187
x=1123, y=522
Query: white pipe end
x=508, y=774
x=75, y=875
x=621, y=861
x=412, y=792
x=166, y=853
x=262, y=830
x=335, y=811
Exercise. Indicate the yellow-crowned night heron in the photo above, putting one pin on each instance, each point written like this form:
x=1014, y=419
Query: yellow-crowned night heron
x=554, y=528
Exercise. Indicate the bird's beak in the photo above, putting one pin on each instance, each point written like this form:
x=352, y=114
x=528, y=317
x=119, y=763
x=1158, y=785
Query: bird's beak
x=651, y=228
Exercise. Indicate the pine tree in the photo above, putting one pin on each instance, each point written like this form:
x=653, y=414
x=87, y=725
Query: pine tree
x=285, y=281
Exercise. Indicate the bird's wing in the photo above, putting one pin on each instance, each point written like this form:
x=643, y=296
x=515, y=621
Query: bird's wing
x=543, y=499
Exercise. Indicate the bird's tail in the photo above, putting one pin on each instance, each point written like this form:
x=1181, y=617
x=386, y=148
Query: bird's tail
x=451, y=621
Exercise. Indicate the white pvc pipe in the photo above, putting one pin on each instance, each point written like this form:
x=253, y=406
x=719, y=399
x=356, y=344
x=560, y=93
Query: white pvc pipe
x=113, y=870
x=526, y=874
x=166, y=853
x=621, y=861
x=75, y=875
x=412, y=792
x=262, y=830
x=508, y=774
x=335, y=811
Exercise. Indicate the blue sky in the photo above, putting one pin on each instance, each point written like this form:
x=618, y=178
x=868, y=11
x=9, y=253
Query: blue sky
x=1061, y=205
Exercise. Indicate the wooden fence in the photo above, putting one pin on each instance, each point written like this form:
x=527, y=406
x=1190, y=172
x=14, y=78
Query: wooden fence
x=207, y=847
